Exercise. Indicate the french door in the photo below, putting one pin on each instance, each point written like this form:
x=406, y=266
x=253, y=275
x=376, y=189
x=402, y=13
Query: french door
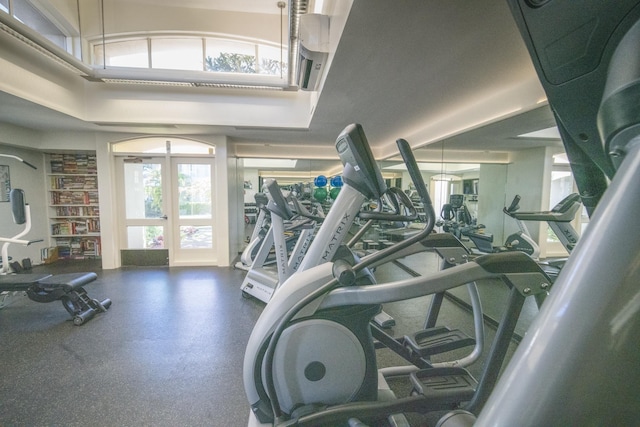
x=167, y=211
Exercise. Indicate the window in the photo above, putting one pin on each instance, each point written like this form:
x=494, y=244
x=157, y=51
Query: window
x=159, y=145
x=131, y=53
x=230, y=56
x=272, y=60
x=176, y=54
x=192, y=53
x=26, y=13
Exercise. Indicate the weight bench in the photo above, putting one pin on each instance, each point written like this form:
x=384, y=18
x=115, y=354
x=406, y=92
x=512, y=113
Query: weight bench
x=67, y=288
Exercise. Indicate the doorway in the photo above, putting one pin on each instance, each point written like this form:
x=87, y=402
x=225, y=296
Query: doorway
x=166, y=210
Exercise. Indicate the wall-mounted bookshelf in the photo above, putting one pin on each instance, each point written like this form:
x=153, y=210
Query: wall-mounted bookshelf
x=74, y=212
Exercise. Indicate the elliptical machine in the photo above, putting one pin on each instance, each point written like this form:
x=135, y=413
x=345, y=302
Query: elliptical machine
x=311, y=357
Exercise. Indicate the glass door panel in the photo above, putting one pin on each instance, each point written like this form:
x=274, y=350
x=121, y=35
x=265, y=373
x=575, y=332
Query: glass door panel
x=167, y=212
x=143, y=190
x=142, y=182
x=145, y=237
x=194, y=213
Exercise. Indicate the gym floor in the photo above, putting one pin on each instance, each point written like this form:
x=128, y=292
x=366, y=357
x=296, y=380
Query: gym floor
x=168, y=352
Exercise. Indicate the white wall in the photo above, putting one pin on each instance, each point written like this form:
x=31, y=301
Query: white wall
x=491, y=196
x=251, y=175
x=236, y=207
x=225, y=209
x=526, y=176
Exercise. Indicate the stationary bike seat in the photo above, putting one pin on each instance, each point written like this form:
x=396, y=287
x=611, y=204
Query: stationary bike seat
x=69, y=281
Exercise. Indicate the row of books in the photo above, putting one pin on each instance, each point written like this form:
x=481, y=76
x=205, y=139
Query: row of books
x=77, y=211
x=75, y=227
x=78, y=247
x=74, y=183
x=74, y=197
x=73, y=163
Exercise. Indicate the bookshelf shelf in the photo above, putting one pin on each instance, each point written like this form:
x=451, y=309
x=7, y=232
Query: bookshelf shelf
x=74, y=214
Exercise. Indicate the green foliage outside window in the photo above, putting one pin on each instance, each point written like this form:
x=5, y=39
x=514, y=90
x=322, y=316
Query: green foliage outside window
x=231, y=63
x=238, y=63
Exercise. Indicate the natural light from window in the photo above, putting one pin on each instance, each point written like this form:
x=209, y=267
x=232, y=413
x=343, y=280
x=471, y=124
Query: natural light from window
x=234, y=58
x=192, y=53
x=33, y=18
x=159, y=145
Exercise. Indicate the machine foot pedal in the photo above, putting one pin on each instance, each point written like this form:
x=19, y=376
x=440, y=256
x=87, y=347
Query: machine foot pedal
x=384, y=320
x=444, y=385
x=437, y=340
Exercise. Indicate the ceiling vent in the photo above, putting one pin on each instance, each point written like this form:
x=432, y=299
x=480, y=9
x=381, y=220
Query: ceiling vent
x=313, y=50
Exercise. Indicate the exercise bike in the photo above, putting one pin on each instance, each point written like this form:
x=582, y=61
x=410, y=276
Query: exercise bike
x=45, y=288
x=559, y=219
x=311, y=357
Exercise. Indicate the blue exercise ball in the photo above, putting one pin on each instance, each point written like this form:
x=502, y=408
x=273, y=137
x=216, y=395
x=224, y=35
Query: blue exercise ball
x=336, y=181
x=320, y=181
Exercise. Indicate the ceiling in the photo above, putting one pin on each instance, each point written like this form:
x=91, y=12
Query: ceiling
x=440, y=73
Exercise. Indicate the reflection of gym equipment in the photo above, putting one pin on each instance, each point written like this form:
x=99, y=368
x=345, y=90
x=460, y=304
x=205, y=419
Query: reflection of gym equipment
x=456, y=218
x=518, y=241
x=260, y=281
x=320, y=193
x=559, y=219
x=577, y=364
x=44, y=288
x=311, y=357
x=260, y=230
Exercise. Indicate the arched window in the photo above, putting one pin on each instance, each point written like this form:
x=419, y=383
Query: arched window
x=184, y=52
x=163, y=145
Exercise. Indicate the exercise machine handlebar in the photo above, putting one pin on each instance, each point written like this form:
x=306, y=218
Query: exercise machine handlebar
x=20, y=241
x=513, y=206
x=564, y=211
x=278, y=204
x=20, y=159
x=418, y=181
x=397, y=198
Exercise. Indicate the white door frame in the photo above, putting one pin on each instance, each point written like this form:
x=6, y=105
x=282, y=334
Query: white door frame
x=180, y=256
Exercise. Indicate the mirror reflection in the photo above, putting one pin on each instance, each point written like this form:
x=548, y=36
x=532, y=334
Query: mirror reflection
x=468, y=197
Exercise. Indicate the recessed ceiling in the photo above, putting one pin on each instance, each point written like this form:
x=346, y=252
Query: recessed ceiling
x=455, y=73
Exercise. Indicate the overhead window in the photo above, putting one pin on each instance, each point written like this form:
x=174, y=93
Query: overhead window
x=160, y=145
x=197, y=53
x=229, y=56
x=129, y=53
x=240, y=61
x=176, y=54
x=33, y=18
